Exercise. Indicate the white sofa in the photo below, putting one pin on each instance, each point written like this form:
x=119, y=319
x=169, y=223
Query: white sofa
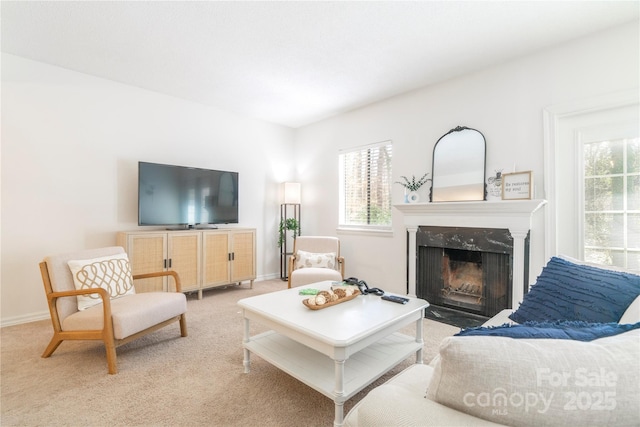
x=489, y=381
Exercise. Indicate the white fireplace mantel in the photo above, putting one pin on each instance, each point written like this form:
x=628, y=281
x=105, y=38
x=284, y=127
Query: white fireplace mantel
x=514, y=215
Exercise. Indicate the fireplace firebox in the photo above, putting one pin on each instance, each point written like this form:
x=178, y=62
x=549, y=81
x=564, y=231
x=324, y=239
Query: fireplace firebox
x=466, y=269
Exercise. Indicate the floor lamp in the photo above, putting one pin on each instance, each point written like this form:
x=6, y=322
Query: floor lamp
x=289, y=223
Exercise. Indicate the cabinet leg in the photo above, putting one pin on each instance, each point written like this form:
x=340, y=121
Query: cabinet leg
x=199, y=293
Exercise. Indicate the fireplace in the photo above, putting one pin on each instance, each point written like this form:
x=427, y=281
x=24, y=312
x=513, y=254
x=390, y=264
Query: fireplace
x=466, y=269
x=511, y=219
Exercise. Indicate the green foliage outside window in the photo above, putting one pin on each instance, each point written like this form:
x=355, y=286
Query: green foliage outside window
x=612, y=202
x=365, y=186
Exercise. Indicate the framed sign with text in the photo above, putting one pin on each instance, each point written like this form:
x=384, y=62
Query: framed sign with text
x=517, y=185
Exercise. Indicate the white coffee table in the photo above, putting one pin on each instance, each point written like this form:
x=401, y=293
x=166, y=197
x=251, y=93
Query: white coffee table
x=338, y=350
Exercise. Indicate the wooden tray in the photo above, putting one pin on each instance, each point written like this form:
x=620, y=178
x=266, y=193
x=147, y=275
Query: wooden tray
x=329, y=304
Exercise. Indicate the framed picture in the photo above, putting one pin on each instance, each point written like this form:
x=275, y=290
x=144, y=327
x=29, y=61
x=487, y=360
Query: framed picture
x=494, y=185
x=517, y=185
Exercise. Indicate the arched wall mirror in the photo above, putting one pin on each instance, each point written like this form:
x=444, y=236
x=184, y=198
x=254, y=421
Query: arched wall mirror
x=459, y=166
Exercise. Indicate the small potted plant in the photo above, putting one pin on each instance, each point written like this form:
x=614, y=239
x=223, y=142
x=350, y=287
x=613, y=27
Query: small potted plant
x=290, y=224
x=411, y=187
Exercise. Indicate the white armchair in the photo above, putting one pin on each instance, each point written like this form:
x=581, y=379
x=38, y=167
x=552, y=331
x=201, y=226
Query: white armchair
x=315, y=259
x=91, y=296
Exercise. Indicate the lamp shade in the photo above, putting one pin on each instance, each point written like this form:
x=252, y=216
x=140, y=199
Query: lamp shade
x=291, y=193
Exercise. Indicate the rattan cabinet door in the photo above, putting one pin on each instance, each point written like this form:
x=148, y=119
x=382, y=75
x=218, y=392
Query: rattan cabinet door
x=243, y=250
x=147, y=253
x=184, y=258
x=215, y=258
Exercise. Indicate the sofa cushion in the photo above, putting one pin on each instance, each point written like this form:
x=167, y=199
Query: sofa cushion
x=570, y=291
x=112, y=273
x=401, y=402
x=130, y=314
x=566, y=330
x=632, y=313
x=533, y=382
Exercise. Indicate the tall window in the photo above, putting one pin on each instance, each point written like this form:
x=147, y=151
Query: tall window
x=365, y=186
x=591, y=181
x=612, y=202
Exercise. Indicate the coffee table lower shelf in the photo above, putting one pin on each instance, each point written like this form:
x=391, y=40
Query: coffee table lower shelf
x=318, y=370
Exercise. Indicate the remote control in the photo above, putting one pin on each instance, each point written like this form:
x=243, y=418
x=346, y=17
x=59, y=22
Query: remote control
x=393, y=298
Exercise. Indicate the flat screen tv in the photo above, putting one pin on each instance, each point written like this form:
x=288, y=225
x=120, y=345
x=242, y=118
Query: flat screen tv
x=186, y=197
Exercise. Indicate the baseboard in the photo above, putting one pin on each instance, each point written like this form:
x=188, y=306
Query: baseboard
x=44, y=315
x=26, y=318
x=270, y=276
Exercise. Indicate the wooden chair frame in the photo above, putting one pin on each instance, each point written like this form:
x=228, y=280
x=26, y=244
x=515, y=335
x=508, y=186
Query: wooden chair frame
x=105, y=334
x=292, y=263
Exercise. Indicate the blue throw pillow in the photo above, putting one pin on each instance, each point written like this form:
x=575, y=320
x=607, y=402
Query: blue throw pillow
x=568, y=291
x=568, y=330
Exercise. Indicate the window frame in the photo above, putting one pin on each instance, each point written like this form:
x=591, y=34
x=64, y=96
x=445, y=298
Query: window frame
x=561, y=121
x=614, y=132
x=343, y=225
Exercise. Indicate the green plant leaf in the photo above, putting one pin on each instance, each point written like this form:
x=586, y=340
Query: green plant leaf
x=413, y=185
x=290, y=224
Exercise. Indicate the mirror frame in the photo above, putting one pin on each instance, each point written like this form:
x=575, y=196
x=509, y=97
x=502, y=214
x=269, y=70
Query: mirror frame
x=484, y=166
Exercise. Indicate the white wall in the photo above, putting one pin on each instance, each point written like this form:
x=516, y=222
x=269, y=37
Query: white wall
x=504, y=102
x=70, y=147
x=71, y=142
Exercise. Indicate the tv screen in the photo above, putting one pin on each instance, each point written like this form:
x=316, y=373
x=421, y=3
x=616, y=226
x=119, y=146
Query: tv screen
x=183, y=196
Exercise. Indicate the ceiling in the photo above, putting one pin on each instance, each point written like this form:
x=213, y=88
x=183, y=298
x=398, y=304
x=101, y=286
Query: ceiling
x=293, y=63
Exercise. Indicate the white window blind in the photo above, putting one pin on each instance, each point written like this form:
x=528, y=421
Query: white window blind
x=365, y=186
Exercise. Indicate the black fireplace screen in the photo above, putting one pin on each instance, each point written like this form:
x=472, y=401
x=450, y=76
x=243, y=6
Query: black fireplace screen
x=468, y=269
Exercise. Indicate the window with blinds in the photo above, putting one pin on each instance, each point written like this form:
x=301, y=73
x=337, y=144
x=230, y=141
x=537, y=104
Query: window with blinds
x=365, y=186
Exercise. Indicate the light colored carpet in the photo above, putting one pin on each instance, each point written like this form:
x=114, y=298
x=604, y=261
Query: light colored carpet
x=164, y=379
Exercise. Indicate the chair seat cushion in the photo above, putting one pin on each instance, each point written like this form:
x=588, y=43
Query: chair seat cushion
x=304, y=276
x=131, y=314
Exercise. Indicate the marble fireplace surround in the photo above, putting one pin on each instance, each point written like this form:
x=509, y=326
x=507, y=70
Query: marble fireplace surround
x=514, y=215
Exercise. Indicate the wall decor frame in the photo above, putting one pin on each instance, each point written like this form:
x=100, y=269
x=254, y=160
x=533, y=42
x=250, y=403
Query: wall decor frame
x=517, y=185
